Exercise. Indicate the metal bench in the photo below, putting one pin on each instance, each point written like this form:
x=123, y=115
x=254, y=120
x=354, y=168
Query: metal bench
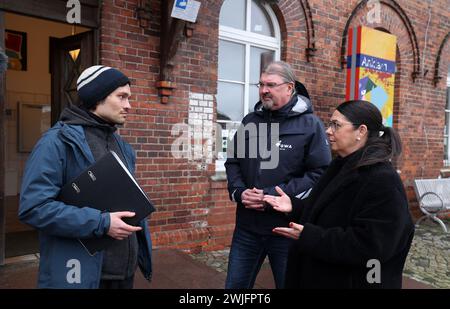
x=434, y=198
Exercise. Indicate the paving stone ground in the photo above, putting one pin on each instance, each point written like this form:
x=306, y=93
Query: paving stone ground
x=428, y=260
x=427, y=266
x=429, y=257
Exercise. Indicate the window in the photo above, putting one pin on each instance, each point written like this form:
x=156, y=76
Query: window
x=248, y=33
x=447, y=124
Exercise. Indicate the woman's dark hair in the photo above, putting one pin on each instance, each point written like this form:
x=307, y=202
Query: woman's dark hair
x=383, y=143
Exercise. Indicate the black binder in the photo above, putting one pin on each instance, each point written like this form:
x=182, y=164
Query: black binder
x=107, y=185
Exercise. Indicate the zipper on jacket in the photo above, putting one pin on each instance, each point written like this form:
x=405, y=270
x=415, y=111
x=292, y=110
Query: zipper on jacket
x=268, y=145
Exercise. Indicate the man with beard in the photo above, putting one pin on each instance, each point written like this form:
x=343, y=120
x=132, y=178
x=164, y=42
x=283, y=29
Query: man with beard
x=303, y=154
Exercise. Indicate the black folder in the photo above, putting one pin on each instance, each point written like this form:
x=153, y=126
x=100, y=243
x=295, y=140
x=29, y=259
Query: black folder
x=108, y=186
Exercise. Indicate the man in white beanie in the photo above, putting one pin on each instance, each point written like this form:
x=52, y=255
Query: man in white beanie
x=83, y=134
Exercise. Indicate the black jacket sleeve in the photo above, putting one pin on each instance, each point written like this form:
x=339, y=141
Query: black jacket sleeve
x=299, y=208
x=378, y=229
x=236, y=184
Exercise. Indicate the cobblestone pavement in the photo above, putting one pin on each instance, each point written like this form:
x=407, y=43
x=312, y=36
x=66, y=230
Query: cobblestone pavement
x=428, y=259
x=215, y=259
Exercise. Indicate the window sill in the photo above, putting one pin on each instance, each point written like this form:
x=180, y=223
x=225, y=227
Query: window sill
x=219, y=176
x=445, y=172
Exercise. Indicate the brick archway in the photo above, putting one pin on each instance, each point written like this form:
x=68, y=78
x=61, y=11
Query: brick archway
x=311, y=49
x=446, y=61
x=295, y=17
x=395, y=21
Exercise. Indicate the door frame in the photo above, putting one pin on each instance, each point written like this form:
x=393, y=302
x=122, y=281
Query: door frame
x=25, y=7
x=58, y=50
x=2, y=145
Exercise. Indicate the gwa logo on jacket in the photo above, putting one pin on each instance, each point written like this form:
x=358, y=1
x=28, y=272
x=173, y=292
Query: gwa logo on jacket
x=283, y=146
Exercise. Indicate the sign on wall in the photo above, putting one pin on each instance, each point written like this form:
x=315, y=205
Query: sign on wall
x=186, y=10
x=371, y=69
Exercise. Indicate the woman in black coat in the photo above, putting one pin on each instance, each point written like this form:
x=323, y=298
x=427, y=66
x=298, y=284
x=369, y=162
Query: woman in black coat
x=355, y=229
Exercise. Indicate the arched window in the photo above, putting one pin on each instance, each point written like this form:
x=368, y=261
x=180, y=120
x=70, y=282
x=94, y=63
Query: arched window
x=447, y=124
x=249, y=37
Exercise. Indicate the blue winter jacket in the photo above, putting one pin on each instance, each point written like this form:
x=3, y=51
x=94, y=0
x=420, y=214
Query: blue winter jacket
x=303, y=155
x=59, y=156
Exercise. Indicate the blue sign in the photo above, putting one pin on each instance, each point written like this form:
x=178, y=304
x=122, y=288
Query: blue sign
x=182, y=4
x=374, y=63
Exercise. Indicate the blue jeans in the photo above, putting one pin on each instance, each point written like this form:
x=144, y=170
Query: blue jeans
x=247, y=253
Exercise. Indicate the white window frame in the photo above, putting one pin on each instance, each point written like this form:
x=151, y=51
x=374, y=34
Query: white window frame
x=249, y=39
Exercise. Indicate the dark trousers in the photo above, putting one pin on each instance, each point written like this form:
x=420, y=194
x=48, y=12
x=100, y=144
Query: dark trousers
x=117, y=284
x=247, y=253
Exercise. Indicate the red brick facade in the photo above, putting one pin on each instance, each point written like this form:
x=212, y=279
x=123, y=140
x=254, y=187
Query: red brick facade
x=193, y=209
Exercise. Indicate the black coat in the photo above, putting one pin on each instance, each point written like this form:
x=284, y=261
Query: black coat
x=352, y=216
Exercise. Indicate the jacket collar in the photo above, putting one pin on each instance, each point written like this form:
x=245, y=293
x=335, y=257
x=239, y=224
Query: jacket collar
x=74, y=135
x=75, y=115
x=296, y=106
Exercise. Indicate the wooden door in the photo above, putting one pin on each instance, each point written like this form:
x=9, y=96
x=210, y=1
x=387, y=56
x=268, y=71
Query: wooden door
x=69, y=56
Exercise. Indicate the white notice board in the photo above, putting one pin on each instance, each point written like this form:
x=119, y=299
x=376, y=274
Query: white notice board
x=186, y=10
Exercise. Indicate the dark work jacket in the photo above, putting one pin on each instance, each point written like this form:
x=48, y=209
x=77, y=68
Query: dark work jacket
x=353, y=215
x=303, y=154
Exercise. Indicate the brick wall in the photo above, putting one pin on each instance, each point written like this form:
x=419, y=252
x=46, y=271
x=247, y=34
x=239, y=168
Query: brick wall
x=193, y=209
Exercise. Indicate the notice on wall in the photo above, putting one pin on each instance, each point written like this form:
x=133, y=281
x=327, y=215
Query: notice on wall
x=371, y=68
x=186, y=10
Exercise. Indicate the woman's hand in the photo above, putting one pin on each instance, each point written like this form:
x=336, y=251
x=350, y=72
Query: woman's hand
x=280, y=203
x=293, y=231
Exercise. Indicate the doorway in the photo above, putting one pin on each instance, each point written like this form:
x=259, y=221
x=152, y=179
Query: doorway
x=34, y=95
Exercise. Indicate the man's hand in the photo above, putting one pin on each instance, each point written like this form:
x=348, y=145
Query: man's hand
x=253, y=199
x=119, y=229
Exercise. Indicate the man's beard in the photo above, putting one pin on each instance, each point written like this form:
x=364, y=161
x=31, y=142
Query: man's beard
x=267, y=103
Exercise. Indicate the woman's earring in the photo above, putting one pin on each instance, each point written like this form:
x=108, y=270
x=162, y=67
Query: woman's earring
x=358, y=138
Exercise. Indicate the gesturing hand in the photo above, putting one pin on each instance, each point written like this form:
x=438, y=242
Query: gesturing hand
x=119, y=229
x=280, y=203
x=293, y=231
